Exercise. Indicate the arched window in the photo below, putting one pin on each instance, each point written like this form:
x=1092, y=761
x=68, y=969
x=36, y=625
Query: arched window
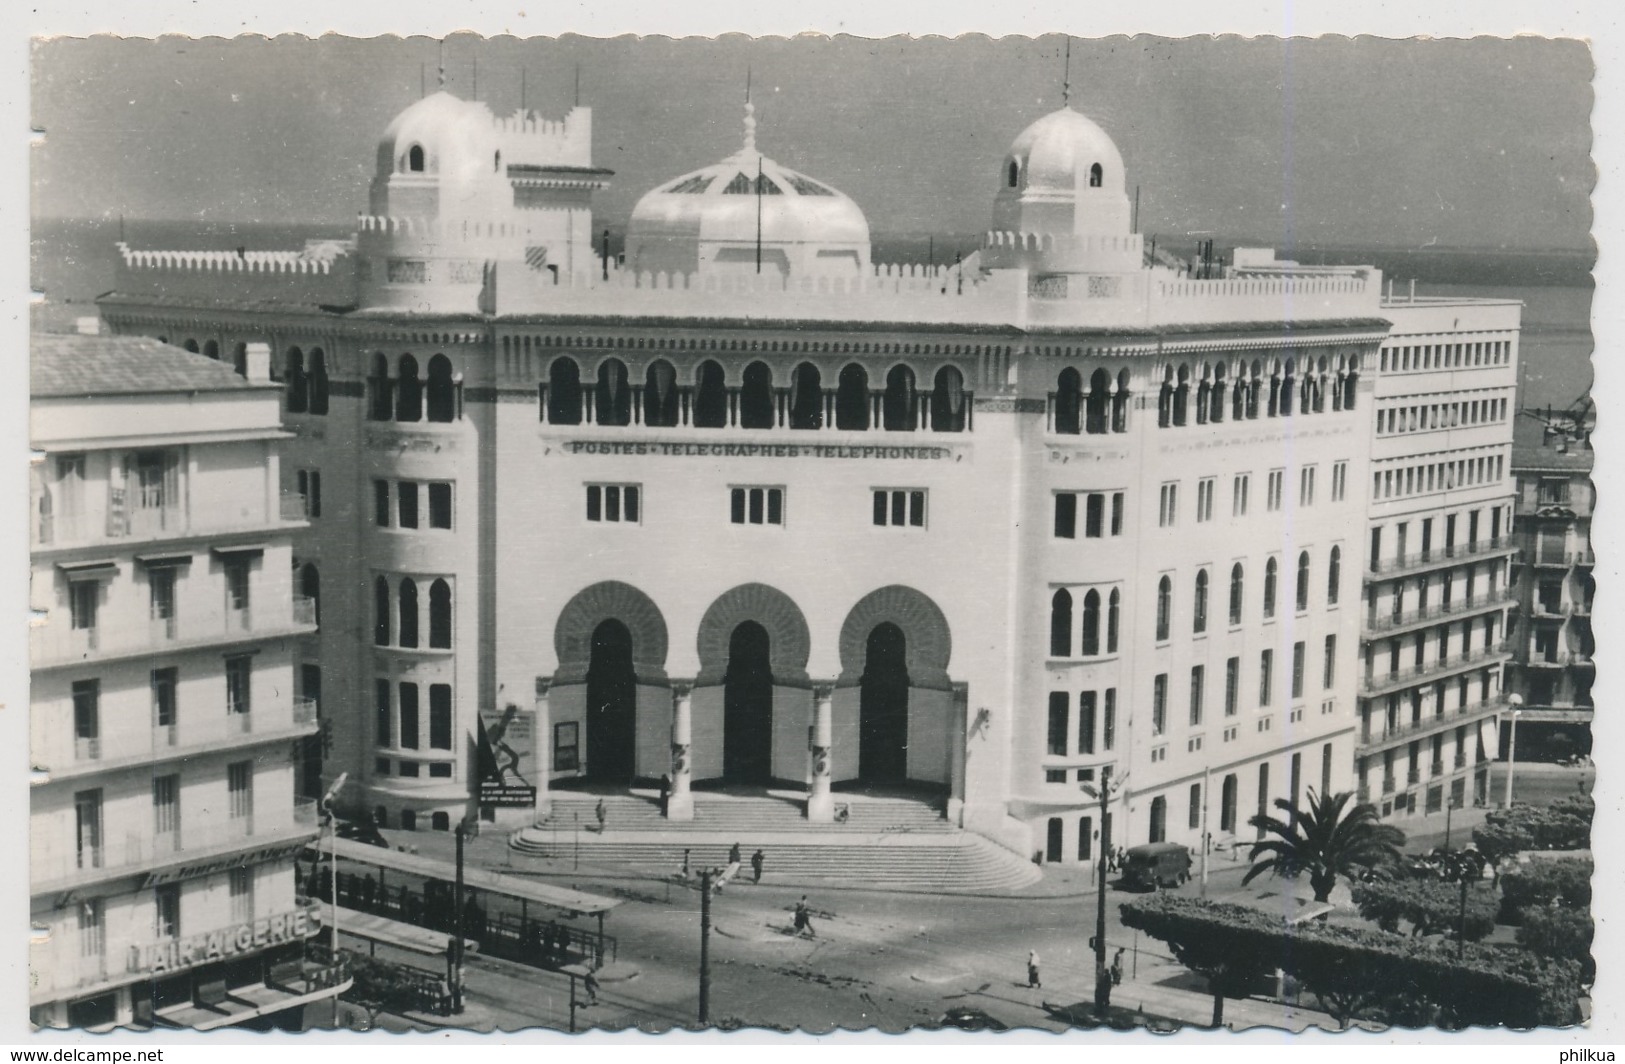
x=1120, y=403
x=441, y=821
x=1091, y=624
x=806, y=398
x=1254, y=386
x=1238, y=396
x=1060, y=624
x=1334, y=575
x=239, y=360
x=1236, y=582
x=310, y=586
x=1320, y=387
x=1095, y=175
x=1165, y=608
x=380, y=401
x=564, y=392
x=1068, y=402
x=1182, y=396
x=756, y=397
x=1275, y=390
x=1014, y=173
x=380, y=612
x=1159, y=819
x=408, y=391
x=1204, y=397
x=1199, y=605
x=897, y=411
x=191, y=345
x=711, y=397
x=614, y=398
x=414, y=159
x=852, y=399
x=318, y=381
x=660, y=395
x=380, y=816
x=1098, y=403
x=948, y=401
x=1112, y=603
x=1350, y=380
x=1227, y=804
x=1270, y=569
x=1302, y=595
x=297, y=385
x=1165, y=399
x=211, y=349
x=442, y=390
x=440, y=615
x=1216, y=400
x=408, y=634
x=1289, y=385
x=1337, y=386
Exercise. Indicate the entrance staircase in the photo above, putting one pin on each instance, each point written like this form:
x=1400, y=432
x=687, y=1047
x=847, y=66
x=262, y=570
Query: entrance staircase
x=883, y=843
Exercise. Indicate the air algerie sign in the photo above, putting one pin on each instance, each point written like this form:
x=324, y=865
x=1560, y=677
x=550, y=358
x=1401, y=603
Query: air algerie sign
x=161, y=958
x=767, y=450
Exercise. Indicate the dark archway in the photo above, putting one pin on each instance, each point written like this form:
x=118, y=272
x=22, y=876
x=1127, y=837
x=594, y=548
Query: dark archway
x=883, y=707
x=747, y=707
x=612, y=700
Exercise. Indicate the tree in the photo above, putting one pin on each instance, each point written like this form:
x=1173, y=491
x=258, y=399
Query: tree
x=1558, y=931
x=1565, y=881
x=1430, y=905
x=1325, y=840
x=1232, y=964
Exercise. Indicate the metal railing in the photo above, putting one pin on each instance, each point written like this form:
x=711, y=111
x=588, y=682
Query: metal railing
x=1466, y=604
x=192, y=732
x=1411, y=729
x=1439, y=555
x=1377, y=684
x=56, y=642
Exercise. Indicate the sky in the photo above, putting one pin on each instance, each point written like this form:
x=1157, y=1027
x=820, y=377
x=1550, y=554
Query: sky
x=1412, y=143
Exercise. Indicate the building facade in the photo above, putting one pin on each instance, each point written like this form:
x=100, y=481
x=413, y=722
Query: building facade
x=1552, y=643
x=1437, y=591
x=748, y=508
x=163, y=824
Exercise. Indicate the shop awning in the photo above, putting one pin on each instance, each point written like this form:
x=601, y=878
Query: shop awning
x=245, y=1003
x=572, y=901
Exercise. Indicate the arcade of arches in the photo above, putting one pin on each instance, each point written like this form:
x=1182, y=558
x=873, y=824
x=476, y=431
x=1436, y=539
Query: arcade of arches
x=751, y=717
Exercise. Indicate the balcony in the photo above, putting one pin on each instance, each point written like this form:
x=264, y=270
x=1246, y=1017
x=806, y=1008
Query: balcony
x=1460, y=760
x=1413, y=777
x=1561, y=659
x=1436, y=768
x=1388, y=785
x=58, y=868
x=1373, y=740
x=293, y=506
x=58, y=644
x=195, y=732
x=1441, y=556
x=1458, y=608
x=1372, y=686
x=156, y=523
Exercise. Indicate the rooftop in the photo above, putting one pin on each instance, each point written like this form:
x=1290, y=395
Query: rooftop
x=1551, y=443
x=80, y=365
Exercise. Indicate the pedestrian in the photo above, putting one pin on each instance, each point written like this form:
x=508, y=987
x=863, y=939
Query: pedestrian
x=665, y=792
x=1032, y=969
x=1117, y=967
x=733, y=854
x=685, y=862
x=601, y=813
x=804, y=918
x=756, y=860
x=590, y=984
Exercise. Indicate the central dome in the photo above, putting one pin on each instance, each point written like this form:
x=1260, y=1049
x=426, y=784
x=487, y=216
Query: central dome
x=1063, y=175
x=713, y=219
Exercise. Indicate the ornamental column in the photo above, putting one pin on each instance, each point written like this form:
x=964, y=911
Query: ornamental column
x=680, y=801
x=820, y=803
x=542, y=767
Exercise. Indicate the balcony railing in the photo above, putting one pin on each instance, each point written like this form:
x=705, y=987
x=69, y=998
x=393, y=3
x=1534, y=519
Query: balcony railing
x=152, y=522
x=1388, y=785
x=1413, y=777
x=1561, y=659
x=1455, y=608
x=1458, y=662
x=1436, y=722
x=57, y=643
x=52, y=871
x=1436, y=768
x=192, y=732
x=1461, y=759
x=1441, y=555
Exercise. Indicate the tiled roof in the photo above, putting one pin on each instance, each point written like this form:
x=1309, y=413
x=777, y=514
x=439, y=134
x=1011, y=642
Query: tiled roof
x=74, y=364
x=1532, y=449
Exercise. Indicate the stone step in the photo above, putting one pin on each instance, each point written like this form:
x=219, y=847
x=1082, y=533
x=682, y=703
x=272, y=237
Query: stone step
x=746, y=814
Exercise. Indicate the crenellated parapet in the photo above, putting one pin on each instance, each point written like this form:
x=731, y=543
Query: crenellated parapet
x=1063, y=252
x=326, y=278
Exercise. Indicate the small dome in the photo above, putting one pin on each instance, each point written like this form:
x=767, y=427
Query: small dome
x=1058, y=153
x=442, y=129
x=709, y=219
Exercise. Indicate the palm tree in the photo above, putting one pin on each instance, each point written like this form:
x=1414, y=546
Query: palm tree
x=1325, y=840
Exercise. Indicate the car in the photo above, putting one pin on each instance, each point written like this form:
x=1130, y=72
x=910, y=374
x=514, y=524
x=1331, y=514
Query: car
x=969, y=1019
x=361, y=831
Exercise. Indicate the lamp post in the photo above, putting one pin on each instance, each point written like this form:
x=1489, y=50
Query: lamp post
x=1103, y=983
x=1512, y=744
x=457, y=923
x=331, y=823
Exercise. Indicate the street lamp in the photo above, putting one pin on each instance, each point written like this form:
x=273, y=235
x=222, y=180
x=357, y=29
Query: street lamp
x=331, y=823
x=1103, y=984
x=1512, y=743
